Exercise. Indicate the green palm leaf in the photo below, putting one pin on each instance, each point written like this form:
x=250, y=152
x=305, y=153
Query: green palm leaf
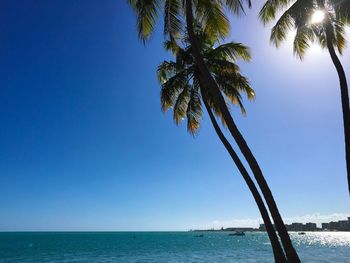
x=211, y=15
x=233, y=51
x=146, y=16
x=181, y=105
x=172, y=18
x=194, y=112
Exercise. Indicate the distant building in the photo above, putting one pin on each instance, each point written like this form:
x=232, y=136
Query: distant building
x=295, y=227
x=302, y=227
x=342, y=225
x=325, y=226
x=310, y=227
x=334, y=225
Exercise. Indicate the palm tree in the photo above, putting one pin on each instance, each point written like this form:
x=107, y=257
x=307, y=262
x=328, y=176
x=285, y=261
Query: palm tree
x=213, y=21
x=183, y=91
x=328, y=30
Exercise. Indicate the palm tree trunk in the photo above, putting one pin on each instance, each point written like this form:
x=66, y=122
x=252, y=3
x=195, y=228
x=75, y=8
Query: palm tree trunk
x=276, y=246
x=213, y=88
x=344, y=99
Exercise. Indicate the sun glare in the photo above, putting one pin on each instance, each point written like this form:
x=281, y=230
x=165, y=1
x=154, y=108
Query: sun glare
x=317, y=17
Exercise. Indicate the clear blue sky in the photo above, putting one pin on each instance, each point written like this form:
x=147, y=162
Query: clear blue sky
x=84, y=145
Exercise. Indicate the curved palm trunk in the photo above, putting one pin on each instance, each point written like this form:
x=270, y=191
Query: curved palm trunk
x=292, y=256
x=276, y=246
x=344, y=100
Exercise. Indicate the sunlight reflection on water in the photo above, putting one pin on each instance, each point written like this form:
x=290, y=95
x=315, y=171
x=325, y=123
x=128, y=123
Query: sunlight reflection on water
x=329, y=239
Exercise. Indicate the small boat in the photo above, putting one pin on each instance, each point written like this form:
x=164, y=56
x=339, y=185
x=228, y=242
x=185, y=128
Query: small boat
x=237, y=233
x=199, y=236
x=301, y=233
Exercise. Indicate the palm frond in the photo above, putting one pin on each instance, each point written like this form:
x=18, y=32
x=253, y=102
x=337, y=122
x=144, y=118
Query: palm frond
x=302, y=41
x=270, y=8
x=280, y=30
x=233, y=85
x=339, y=40
x=146, y=16
x=236, y=6
x=171, y=89
x=166, y=70
x=222, y=66
x=171, y=45
x=194, y=112
x=172, y=18
x=211, y=16
x=181, y=105
x=233, y=51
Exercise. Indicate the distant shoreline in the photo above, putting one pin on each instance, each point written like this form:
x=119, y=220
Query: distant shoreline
x=149, y=231
x=338, y=226
x=258, y=230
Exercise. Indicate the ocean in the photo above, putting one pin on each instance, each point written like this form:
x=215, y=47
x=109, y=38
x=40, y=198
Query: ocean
x=165, y=247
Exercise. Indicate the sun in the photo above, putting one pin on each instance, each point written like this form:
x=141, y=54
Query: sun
x=317, y=17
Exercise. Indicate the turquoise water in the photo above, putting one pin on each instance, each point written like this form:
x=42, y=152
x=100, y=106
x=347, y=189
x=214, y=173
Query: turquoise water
x=164, y=247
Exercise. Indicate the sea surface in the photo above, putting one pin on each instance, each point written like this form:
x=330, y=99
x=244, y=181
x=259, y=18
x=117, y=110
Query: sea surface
x=165, y=247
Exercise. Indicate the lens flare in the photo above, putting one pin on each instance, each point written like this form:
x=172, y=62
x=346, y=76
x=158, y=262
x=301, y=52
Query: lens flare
x=317, y=17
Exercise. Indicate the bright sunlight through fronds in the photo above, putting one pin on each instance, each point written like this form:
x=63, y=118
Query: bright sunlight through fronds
x=317, y=17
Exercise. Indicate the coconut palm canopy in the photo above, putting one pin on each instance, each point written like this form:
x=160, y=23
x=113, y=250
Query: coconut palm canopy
x=211, y=15
x=181, y=89
x=297, y=15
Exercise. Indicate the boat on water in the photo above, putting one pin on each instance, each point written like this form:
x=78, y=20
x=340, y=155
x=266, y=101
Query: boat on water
x=237, y=233
x=301, y=233
x=199, y=236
